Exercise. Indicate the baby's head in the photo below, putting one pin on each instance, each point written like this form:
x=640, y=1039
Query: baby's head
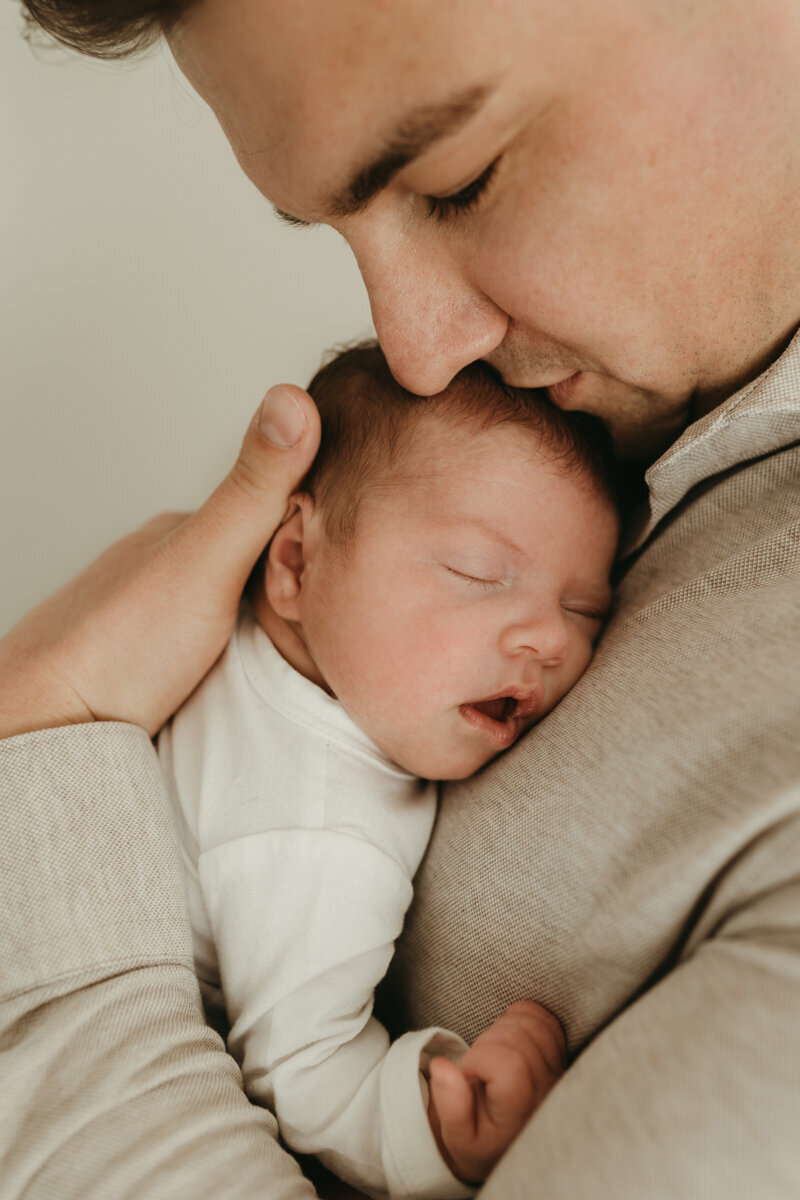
x=444, y=569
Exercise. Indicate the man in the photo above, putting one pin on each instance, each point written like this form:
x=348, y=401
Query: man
x=602, y=200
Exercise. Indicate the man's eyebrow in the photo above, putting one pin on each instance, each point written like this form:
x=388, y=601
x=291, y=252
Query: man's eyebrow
x=415, y=134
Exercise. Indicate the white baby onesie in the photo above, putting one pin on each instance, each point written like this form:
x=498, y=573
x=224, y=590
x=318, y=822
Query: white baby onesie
x=300, y=840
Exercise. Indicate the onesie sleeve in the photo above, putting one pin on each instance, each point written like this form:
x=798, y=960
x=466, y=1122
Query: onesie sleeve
x=304, y=922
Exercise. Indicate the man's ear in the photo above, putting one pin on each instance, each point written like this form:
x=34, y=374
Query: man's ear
x=288, y=558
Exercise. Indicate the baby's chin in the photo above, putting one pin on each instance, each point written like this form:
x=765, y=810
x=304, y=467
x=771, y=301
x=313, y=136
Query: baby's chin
x=452, y=747
x=445, y=765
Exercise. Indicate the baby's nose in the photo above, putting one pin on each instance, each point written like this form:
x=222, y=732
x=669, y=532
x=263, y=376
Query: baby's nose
x=543, y=637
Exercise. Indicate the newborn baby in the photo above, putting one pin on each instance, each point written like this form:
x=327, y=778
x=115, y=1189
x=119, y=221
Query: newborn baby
x=436, y=587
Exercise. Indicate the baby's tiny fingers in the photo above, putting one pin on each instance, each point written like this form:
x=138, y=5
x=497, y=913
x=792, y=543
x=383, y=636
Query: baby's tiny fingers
x=453, y=1115
x=527, y=1022
x=453, y=1098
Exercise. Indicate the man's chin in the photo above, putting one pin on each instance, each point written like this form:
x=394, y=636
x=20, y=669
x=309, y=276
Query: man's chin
x=642, y=424
x=641, y=441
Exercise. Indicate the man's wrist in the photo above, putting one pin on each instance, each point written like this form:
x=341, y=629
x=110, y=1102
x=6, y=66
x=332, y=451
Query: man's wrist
x=21, y=712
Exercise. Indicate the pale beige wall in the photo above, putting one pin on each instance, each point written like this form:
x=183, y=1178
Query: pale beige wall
x=148, y=298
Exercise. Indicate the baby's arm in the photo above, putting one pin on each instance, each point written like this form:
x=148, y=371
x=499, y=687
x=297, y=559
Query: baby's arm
x=304, y=924
x=479, y=1105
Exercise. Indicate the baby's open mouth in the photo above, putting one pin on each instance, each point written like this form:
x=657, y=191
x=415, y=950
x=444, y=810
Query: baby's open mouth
x=501, y=717
x=499, y=710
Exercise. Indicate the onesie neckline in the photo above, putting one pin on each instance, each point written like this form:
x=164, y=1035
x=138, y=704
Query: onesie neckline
x=285, y=690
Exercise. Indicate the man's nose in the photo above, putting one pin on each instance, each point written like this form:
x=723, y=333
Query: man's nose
x=542, y=636
x=430, y=319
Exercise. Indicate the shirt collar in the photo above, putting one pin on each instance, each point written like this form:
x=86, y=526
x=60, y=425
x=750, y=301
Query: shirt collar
x=762, y=417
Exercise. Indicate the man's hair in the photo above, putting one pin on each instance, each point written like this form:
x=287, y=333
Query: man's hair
x=369, y=422
x=103, y=28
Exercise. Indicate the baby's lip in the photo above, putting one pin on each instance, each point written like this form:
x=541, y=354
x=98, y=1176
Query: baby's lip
x=502, y=714
x=520, y=701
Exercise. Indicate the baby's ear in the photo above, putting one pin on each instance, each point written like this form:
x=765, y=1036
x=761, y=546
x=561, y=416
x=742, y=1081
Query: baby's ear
x=287, y=558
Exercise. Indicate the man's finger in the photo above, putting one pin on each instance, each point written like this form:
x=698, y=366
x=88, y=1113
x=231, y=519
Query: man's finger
x=231, y=529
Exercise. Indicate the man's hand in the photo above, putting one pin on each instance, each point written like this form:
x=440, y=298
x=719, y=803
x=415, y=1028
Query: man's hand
x=479, y=1105
x=132, y=636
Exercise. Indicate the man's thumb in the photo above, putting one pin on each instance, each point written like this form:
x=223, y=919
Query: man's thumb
x=241, y=515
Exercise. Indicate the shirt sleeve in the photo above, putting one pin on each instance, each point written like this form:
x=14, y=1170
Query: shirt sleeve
x=112, y=1085
x=694, y=1090
x=304, y=923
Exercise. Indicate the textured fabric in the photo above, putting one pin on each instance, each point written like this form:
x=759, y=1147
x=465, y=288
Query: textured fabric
x=113, y=1087
x=634, y=862
x=300, y=840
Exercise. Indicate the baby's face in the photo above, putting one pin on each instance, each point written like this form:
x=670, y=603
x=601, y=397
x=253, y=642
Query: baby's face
x=468, y=601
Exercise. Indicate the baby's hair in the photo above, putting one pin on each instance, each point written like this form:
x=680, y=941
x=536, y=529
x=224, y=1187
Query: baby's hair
x=368, y=421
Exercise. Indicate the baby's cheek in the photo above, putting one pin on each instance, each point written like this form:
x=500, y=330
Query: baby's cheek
x=578, y=663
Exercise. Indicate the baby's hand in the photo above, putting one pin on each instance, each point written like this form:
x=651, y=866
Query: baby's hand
x=478, y=1105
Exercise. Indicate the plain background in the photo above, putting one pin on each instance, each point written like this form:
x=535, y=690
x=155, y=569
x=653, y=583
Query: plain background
x=149, y=297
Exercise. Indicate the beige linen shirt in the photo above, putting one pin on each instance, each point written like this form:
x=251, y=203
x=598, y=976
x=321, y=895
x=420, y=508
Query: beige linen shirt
x=634, y=864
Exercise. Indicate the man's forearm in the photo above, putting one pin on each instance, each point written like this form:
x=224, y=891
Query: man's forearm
x=113, y=1086
x=692, y=1091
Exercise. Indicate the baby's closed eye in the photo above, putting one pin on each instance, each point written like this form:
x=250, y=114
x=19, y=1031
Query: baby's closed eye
x=470, y=579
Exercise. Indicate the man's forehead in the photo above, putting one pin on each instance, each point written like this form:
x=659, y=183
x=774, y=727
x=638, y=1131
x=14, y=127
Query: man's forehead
x=356, y=84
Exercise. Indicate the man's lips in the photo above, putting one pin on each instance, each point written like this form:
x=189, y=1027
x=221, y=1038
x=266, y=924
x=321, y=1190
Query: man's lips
x=561, y=393
x=502, y=716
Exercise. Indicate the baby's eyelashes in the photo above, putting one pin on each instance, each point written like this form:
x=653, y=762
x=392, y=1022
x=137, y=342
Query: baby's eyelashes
x=471, y=580
x=591, y=619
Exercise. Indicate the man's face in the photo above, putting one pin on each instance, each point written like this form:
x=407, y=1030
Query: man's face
x=555, y=188
x=468, y=601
